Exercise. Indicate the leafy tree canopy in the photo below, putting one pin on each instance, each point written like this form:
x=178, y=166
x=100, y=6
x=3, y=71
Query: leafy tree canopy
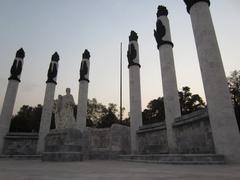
x=188, y=103
x=234, y=87
x=27, y=119
x=98, y=115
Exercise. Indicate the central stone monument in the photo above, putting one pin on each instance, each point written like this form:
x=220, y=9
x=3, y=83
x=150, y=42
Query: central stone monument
x=64, y=111
x=65, y=142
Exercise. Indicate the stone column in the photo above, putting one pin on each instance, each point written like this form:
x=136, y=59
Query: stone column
x=10, y=96
x=135, y=89
x=169, y=82
x=83, y=91
x=48, y=102
x=222, y=119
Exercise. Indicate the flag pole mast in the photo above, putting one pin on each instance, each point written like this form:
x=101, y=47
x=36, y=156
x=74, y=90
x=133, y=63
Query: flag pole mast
x=121, y=82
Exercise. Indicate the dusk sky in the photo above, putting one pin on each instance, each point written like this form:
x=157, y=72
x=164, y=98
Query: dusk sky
x=42, y=27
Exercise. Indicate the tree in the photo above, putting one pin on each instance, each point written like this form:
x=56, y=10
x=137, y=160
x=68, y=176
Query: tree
x=27, y=119
x=95, y=111
x=98, y=115
x=234, y=87
x=126, y=121
x=154, y=112
x=188, y=103
x=107, y=120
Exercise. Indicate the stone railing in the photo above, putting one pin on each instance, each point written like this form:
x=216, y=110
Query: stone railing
x=192, y=131
x=20, y=144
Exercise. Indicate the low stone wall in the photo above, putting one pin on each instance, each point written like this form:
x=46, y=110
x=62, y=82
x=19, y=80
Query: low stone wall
x=92, y=143
x=152, y=139
x=193, y=135
x=20, y=143
x=63, y=145
x=107, y=143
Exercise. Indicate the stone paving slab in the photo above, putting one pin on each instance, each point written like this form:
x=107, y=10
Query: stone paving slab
x=108, y=170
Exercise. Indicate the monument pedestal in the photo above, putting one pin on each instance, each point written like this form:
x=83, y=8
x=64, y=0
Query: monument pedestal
x=63, y=145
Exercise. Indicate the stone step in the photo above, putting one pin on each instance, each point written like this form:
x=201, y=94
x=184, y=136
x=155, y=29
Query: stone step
x=62, y=156
x=20, y=157
x=103, y=155
x=63, y=148
x=175, y=158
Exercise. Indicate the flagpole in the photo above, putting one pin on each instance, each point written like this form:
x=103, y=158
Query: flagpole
x=121, y=82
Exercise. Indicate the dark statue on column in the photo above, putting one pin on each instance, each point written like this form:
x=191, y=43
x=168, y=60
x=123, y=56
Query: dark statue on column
x=16, y=68
x=132, y=52
x=84, y=66
x=190, y=3
x=160, y=31
x=53, y=69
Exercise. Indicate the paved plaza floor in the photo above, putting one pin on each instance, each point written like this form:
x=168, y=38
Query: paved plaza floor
x=112, y=170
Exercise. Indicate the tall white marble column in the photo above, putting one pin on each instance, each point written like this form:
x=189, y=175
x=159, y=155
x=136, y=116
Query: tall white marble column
x=222, y=118
x=48, y=102
x=169, y=82
x=135, y=89
x=10, y=96
x=83, y=91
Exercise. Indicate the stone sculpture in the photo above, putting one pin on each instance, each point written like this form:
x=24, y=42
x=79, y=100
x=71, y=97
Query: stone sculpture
x=53, y=67
x=64, y=111
x=132, y=53
x=84, y=66
x=160, y=32
x=16, y=68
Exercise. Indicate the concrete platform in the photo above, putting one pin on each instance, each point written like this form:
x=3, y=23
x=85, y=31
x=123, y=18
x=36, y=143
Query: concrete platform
x=107, y=170
x=175, y=158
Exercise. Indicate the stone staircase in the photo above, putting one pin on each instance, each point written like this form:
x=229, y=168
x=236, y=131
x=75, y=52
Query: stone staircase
x=175, y=158
x=62, y=156
x=63, y=145
x=21, y=157
x=62, y=153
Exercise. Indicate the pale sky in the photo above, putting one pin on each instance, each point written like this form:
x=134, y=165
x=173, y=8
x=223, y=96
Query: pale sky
x=42, y=27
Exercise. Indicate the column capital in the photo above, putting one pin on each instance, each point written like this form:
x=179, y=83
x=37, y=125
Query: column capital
x=190, y=3
x=53, y=69
x=132, y=53
x=133, y=36
x=16, y=68
x=84, y=69
x=86, y=54
x=55, y=57
x=20, y=53
x=159, y=33
x=162, y=11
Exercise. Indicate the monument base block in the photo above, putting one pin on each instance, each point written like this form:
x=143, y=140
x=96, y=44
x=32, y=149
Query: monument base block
x=175, y=158
x=62, y=156
x=63, y=145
